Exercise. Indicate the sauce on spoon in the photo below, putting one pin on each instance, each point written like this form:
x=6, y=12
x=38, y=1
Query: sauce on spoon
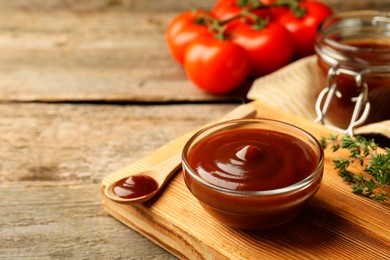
x=134, y=186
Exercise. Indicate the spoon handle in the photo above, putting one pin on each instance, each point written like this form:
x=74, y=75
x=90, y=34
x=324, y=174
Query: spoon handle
x=167, y=168
x=171, y=165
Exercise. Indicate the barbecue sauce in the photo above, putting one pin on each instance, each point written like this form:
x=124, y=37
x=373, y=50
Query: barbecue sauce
x=366, y=53
x=134, y=186
x=252, y=160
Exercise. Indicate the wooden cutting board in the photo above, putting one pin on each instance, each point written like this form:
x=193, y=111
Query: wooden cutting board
x=335, y=224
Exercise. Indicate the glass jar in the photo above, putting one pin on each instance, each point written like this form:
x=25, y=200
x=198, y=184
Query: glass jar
x=353, y=57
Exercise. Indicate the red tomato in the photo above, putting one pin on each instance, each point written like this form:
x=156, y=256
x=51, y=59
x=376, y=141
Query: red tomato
x=268, y=2
x=303, y=29
x=268, y=48
x=226, y=9
x=216, y=66
x=182, y=30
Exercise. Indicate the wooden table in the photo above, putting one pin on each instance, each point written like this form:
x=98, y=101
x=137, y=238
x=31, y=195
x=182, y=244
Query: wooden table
x=87, y=87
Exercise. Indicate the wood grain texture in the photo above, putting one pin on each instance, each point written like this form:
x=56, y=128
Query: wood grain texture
x=335, y=224
x=52, y=160
x=64, y=220
x=162, y=5
x=66, y=56
x=54, y=142
x=112, y=56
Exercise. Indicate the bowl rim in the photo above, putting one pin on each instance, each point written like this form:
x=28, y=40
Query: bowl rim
x=315, y=174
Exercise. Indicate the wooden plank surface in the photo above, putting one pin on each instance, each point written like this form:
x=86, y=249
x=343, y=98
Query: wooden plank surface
x=52, y=160
x=162, y=5
x=62, y=142
x=64, y=220
x=335, y=224
x=112, y=56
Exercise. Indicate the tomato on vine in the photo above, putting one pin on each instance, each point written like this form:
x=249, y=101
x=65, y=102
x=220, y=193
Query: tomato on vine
x=302, y=22
x=220, y=49
x=216, y=66
x=183, y=29
x=267, y=45
x=226, y=9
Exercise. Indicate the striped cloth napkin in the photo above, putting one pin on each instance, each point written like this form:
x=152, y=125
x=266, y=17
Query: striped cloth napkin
x=292, y=89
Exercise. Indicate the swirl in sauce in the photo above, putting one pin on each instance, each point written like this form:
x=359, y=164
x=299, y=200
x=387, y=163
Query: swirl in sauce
x=253, y=160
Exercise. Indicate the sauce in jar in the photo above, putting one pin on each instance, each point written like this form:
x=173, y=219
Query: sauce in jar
x=252, y=160
x=355, y=43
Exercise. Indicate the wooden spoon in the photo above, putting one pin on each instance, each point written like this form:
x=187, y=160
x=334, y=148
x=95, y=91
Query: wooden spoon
x=134, y=188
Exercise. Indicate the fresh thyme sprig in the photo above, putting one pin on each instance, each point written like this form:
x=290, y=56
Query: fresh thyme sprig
x=365, y=153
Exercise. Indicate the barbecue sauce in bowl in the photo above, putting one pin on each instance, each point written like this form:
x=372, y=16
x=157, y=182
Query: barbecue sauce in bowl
x=253, y=174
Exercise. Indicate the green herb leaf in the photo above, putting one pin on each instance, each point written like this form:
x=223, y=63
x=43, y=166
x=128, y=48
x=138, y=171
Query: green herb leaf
x=364, y=152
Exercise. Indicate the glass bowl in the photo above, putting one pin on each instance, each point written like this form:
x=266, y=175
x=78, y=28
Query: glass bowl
x=253, y=173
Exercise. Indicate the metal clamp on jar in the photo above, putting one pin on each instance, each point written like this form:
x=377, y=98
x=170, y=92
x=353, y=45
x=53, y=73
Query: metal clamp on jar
x=353, y=56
